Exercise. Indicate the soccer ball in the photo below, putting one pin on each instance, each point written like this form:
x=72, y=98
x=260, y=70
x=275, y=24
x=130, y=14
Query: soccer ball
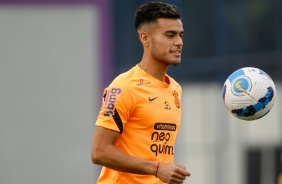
x=249, y=93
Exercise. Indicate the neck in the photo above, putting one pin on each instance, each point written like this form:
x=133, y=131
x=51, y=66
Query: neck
x=155, y=68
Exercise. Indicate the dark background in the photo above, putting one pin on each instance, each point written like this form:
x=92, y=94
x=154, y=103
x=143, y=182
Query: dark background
x=220, y=37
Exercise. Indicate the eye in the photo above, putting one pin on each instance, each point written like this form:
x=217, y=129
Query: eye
x=170, y=35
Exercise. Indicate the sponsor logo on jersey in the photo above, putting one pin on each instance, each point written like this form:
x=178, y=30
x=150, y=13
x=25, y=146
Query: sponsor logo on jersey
x=167, y=105
x=110, y=98
x=165, y=126
x=143, y=83
x=161, y=137
x=152, y=99
x=176, y=99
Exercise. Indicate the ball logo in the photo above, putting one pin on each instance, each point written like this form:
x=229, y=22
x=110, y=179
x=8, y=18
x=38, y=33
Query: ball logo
x=241, y=86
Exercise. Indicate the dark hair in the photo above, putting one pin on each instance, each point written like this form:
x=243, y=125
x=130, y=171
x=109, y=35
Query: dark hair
x=150, y=12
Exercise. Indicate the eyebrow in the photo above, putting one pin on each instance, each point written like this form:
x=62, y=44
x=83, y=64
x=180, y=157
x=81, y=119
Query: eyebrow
x=174, y=32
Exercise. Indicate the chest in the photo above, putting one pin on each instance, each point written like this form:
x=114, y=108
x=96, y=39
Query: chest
x=157, y=106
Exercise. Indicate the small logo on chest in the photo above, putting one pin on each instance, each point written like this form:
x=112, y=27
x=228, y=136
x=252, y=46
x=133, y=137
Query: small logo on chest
x=167, y=105
x=152, y=99
x=142, y=82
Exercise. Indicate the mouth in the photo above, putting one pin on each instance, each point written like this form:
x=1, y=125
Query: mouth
x=176, y=53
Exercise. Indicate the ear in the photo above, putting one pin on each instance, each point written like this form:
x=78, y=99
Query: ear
x=144, y=38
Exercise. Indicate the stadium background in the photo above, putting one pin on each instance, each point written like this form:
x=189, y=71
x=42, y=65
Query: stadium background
x=56, y=56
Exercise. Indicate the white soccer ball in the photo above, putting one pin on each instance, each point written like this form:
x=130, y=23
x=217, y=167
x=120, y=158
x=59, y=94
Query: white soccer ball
x=249, y=93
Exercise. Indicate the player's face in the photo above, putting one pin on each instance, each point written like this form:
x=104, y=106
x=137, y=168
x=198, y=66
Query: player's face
x=167, y=42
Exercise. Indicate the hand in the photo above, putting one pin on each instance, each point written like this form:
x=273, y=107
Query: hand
x=172, y=173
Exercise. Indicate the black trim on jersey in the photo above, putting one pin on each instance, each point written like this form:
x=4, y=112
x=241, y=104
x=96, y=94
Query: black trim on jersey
x=118, y=121
x=104, y=96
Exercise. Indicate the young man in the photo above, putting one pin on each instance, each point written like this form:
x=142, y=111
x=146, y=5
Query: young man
x=140, y=116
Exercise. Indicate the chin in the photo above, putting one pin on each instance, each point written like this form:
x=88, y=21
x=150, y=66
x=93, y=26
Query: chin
x=175, y=63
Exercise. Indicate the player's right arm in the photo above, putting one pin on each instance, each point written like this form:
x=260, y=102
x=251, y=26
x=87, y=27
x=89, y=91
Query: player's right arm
x=104, y=153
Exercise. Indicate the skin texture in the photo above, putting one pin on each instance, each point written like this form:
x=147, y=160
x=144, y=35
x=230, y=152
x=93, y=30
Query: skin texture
x=162, y=43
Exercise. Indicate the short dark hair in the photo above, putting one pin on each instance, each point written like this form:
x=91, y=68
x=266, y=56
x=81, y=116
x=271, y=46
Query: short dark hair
x=150, y=12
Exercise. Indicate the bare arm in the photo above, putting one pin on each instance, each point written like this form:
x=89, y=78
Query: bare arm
x=104, y=153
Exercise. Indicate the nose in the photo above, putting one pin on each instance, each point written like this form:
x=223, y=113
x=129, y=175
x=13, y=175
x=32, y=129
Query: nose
x=178, y=41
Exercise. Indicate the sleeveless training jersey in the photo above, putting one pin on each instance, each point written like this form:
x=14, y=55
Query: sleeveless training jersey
x=147, y=114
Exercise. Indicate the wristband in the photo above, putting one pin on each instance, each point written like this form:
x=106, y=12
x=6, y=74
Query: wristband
x=157, y=169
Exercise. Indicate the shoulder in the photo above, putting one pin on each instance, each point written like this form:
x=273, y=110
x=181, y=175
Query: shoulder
x=126, y=83
x=125, y=80
x=174, y=84
x=122, y=92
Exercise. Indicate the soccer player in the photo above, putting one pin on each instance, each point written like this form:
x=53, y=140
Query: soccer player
x=140, y=116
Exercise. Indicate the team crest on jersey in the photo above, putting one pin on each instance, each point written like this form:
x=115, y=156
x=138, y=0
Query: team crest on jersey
x=110, y=98
x=176, y=99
